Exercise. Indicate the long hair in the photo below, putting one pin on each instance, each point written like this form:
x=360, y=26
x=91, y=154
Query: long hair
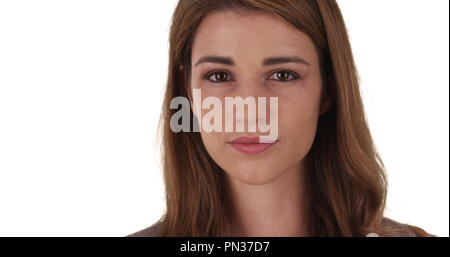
x=345, y=175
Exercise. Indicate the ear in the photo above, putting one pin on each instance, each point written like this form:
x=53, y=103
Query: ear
x=186, y=86
x=325, y=105
x=325, y=102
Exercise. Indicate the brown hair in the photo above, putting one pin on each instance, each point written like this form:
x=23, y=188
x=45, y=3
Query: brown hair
x=346, y=177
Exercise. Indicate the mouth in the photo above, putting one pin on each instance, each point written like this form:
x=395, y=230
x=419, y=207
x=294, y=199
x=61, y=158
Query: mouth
x=251, y=145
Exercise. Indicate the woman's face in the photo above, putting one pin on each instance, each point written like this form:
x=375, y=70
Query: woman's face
x=254, y=46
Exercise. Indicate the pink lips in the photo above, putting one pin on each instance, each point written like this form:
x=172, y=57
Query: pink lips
x=250, y=145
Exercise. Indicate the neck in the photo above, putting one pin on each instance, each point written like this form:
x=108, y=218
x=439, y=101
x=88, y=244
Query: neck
x=276, y=208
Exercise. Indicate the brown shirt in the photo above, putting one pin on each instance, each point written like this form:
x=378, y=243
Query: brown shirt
x=151, y=231
x=396, y=229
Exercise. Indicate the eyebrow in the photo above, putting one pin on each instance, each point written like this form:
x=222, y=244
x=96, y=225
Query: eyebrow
x=266, y=62
x=215, y=59
x=284, y=59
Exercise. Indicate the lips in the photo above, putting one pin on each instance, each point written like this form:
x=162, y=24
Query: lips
x=250, y=145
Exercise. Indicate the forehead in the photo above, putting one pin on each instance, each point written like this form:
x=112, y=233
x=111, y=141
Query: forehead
x=249, y=34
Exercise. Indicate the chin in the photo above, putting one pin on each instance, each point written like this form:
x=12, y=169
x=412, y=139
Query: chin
x=252, y=173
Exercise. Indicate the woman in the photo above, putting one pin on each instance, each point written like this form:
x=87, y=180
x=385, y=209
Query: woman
x=319, y=176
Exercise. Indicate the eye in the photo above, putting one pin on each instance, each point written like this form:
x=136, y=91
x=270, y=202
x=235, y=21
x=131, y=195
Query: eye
x=218, y=76
x=284, y=75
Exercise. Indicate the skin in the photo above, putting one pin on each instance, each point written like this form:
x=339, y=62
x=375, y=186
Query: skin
x=266, y=190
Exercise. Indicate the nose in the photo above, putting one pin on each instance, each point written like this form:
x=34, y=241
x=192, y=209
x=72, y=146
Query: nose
x=251, y=93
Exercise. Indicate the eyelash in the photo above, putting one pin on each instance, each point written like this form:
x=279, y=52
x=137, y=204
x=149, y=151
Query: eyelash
x=209, y=74
x=293, y=74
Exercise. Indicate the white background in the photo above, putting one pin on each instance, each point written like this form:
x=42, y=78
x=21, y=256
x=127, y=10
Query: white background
x=81, y=86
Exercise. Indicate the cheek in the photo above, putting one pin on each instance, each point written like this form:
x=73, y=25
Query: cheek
x=214, y=143
x=297, y=132
x=299, y=110
x=298, y=117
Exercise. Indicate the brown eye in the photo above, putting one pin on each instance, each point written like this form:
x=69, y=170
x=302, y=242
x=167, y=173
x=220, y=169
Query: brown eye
x=218, y=76
x=284, y=75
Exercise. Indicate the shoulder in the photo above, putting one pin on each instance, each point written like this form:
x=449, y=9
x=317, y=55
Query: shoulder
x=151, y=231
x=392, y=228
